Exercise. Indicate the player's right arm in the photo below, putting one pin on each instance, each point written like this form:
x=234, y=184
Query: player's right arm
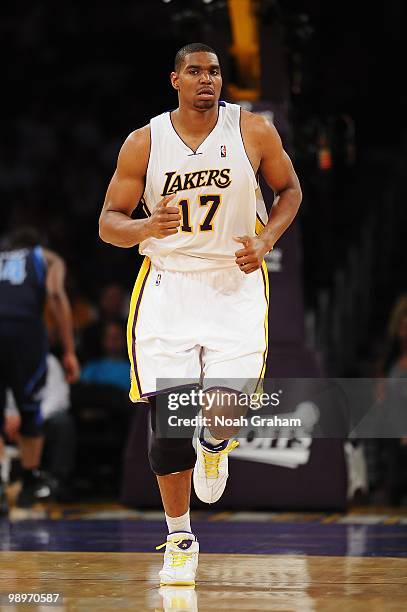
x=124, y=193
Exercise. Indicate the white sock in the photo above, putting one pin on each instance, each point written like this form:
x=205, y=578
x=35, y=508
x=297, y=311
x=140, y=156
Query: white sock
x=208, y=437
x=178, y=523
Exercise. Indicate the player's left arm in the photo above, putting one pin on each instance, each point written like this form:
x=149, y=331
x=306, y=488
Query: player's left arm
x=266, y=150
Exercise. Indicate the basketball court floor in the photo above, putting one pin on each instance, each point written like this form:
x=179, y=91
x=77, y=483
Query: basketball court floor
x=103, y=558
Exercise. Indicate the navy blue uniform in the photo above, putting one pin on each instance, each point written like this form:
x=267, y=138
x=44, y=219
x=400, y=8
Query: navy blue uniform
x=23, y=337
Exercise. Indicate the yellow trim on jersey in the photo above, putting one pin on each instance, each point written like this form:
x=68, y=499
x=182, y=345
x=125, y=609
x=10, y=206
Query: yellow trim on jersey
x=135, y=390
x=259, y=225
x=266, y=325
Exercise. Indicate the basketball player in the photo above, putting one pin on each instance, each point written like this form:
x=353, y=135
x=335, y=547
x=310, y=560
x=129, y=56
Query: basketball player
x=29, y=274
x=199, y=306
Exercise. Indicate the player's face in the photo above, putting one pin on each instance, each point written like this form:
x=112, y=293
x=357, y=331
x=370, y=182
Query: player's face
x=198, y=80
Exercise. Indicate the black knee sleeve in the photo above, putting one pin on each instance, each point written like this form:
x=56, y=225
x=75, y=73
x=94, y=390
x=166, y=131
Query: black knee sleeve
x=169, y=455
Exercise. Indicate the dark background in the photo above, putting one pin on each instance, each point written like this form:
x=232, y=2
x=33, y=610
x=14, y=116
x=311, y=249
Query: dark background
x=78, y=78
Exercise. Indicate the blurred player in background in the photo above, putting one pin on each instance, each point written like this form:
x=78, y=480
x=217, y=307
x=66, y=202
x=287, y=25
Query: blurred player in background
x=58, y=456
x=199, y=307
x=29, y=274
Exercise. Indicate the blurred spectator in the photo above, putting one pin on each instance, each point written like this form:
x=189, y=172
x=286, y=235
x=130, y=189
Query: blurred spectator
x=113, y=367
x=101, y=408
x=392, y=481
x=58, y=456
x=111, y=307
x=112, y=302
x=83, y=313
x=394, y=363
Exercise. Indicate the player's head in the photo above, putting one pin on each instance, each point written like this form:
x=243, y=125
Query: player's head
x=23, y=237
x=197, y=76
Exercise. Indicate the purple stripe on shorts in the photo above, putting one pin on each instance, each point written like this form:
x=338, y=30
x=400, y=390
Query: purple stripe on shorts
x=133, y=329
x=267, y=307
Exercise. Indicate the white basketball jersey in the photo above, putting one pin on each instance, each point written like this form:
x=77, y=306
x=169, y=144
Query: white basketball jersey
x=215, y=189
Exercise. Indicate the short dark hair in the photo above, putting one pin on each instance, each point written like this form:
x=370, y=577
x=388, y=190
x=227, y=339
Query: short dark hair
x=24, y=237
x=190, y=48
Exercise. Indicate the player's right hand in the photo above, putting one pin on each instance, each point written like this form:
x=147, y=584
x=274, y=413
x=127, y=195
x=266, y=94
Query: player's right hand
x=71, y=366
x=165, y=220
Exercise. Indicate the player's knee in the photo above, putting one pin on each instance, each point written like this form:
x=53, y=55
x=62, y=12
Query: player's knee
x=32, y=423
x=167, y=456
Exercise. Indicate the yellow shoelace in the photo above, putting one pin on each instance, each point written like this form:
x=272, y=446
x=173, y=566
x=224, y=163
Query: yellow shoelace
x=178, y=558
x=211, y=460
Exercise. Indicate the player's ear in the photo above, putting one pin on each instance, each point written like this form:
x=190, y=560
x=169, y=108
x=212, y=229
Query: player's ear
x=174, y=80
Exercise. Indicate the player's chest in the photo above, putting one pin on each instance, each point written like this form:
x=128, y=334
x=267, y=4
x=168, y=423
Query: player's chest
x=218, y=167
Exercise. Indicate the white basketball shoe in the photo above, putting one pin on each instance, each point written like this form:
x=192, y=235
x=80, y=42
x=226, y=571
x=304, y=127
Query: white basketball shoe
x=180, y=559
x=211, y=469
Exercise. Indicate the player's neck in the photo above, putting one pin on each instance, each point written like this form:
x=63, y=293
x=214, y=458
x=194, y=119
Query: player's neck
x=195, y=121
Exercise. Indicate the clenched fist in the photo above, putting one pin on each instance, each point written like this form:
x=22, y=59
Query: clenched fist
x=165, y=220
x=251, y=256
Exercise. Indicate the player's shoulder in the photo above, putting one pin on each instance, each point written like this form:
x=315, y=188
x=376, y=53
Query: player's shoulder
x=256, y=123
x=258, y=130
x=139, y=138
x=51, y=257
x=136, y=148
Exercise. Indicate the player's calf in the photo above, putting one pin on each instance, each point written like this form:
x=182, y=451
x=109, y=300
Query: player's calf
x=214, y=443
x=223, y=413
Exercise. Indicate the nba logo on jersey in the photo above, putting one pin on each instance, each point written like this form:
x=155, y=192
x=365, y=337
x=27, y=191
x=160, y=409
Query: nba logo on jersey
x=223, y=151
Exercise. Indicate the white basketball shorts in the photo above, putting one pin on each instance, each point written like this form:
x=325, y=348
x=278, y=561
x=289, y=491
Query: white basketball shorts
x=195, y=328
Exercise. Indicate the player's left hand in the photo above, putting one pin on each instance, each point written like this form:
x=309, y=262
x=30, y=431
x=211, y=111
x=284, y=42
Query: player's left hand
x=251, y=256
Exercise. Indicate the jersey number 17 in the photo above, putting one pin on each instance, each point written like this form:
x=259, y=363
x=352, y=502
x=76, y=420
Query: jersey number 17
x=213, y=203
